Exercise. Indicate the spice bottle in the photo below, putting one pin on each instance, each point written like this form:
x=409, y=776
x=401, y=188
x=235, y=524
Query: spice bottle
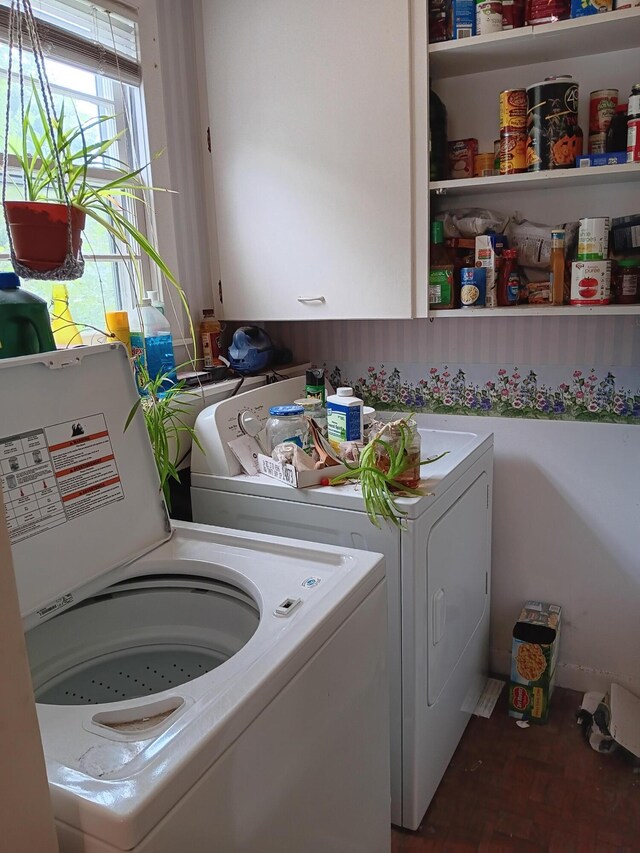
x=209, y=331
x=557, y=266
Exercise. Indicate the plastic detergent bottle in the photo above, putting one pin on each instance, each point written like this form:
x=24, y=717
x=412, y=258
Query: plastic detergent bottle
x=344, y=417
x=24, y=320
x=151, y=342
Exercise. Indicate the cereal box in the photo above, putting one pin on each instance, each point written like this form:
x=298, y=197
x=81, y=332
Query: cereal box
x=536, y=637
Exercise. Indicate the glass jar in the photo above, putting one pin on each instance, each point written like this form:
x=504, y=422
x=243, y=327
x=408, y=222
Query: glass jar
x=313, y=408
x=626, y=281
x=287, y=423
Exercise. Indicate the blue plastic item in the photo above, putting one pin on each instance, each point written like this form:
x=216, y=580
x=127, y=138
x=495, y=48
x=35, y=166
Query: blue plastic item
x=251, y=350
x=291, y=409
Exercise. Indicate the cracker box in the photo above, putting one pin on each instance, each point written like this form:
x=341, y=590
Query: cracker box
x=534, y=655
x=579, y=8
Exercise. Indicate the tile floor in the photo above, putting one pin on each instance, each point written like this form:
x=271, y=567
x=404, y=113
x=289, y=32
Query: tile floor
x=541, y=788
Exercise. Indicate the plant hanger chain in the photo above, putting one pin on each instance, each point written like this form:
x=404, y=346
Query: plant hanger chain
x=21, y=13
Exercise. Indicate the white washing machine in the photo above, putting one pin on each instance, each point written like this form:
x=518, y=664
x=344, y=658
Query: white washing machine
x=438, y=573
x=197, y=689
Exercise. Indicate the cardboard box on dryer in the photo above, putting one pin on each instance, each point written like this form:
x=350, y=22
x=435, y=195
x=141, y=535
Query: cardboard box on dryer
x=534, y=655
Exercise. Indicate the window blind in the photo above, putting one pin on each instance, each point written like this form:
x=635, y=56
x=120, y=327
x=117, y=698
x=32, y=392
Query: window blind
x=88, y=35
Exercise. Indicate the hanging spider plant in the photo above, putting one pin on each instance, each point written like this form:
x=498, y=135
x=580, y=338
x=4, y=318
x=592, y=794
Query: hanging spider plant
x=55, y=157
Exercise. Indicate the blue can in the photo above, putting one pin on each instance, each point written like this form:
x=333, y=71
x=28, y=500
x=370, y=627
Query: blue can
x=473, y=287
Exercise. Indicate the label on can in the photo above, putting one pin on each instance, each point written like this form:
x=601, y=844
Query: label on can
x=473, y=281
x=593, y=239
x=602, y=108
x=488, y=16
x=554, y=140
x=513, y=153
x=597, y=143
x=590, y=282
x=513, y=111
x=633, y=141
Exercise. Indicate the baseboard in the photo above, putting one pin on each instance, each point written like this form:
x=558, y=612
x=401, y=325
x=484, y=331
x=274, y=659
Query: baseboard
x=572, y=677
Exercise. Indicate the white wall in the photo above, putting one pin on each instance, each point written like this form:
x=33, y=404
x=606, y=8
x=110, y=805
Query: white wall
x=567, y=494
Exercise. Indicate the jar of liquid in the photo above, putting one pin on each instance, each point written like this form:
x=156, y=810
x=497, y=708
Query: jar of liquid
x=287, y=423
x=626, y=282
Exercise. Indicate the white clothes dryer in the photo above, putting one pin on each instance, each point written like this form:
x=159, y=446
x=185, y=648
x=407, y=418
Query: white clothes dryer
x=438, y=573
x=197, y=689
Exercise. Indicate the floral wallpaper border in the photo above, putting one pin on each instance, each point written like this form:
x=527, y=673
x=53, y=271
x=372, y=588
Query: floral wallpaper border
x=506, y=392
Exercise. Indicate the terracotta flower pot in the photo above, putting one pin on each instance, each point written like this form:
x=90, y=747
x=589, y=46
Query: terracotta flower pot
x=39, y=231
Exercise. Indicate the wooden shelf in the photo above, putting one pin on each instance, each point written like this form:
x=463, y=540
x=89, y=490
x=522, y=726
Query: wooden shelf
x=543, y=311
x=556, y=179
x=585, y=36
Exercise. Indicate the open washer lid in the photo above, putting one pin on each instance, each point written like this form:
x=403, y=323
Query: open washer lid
x=81, y=496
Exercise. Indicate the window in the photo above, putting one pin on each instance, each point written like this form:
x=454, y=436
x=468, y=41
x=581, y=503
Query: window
x=92, y=65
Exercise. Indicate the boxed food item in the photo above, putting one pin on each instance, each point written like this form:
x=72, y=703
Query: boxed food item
x=462, y=154
x=451, y=19
x=538, y=292
x=616, y=158
x=589, y=7
x=590, y=283
x=625, y=233
x=534, y=655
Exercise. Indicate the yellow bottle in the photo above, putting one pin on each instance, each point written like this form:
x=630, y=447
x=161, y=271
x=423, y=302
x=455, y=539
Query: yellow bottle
x=118, y=326
x=65, y=331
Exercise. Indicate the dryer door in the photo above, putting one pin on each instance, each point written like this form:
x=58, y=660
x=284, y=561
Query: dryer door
x=457, y=583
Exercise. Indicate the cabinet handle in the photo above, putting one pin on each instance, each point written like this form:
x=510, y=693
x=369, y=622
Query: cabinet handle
x=311, y=299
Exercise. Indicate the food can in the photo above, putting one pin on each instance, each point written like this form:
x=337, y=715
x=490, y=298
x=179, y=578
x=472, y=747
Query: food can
x=513, y=153
x=512, y=14
x=602, y=108
x=513, y=111
x=473, y=287
x=590, y=283
x=597, y=143
x=488, y=16
x=554, y=138
x=483, y=165
x=593, y=239
x=633, y=140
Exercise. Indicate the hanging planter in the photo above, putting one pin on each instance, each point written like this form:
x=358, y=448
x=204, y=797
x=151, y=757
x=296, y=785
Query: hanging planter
x=40, y=233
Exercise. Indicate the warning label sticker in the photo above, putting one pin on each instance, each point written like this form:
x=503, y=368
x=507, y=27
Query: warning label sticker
x=55, y=474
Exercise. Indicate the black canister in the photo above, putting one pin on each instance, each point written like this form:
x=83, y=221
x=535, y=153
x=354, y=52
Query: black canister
x=554, y=139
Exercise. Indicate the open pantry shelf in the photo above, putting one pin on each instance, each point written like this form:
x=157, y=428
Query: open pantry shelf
x=543, y=311
x=608, y=31
x=557, y=179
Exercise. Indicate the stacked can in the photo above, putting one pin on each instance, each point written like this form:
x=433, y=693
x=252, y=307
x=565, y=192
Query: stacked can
x=513, y=131
x=602, y=108
x=591, y=273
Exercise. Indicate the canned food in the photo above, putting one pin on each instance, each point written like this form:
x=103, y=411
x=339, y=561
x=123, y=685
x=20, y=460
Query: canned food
x=633, y=140
x=593, y=239
x=602, y=108
x=513, y=14
x=597, y=143
x=513, y=153
x=554, y=138
x=483, y=165
x=513, y=111
x=488, y=16
x=473, y=287
x=462, y=153
x=590, y=283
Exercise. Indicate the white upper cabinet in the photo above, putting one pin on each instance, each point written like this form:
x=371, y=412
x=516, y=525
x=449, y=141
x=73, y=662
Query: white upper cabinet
x=310, y=109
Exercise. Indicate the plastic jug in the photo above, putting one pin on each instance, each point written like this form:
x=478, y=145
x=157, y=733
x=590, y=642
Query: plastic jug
x=25, y=328
x=65, y=331
x=151, y=342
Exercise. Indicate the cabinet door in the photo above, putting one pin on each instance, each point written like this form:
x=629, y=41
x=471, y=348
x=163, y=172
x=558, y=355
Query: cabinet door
x=310, y=113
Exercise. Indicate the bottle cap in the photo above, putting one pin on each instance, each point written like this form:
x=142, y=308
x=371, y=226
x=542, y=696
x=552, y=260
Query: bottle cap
x=279, y=411
x=9, y=281
x=628, y=262
x=315, y=376
x=117, y=320
x=345, y=392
